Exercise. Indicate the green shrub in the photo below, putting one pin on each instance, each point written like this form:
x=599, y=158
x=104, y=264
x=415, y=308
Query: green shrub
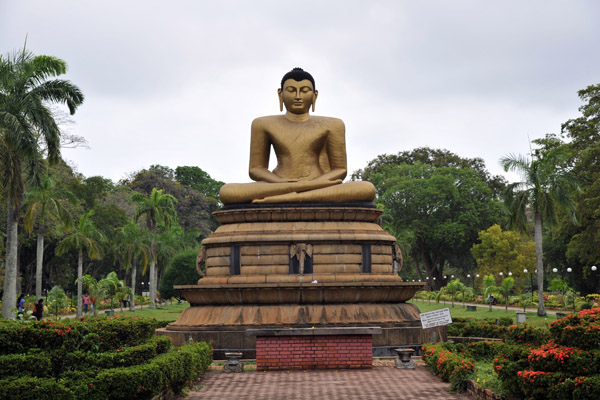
x=169, y=371
x=581, y=330
x=30, y=388
x=449, y=366
x=181, y=271
x=17, y=365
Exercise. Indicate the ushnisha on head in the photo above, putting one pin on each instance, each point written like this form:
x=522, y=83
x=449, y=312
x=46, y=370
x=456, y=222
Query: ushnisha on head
x=297, y=92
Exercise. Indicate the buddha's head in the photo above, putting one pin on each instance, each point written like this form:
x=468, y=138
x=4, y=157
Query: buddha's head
x=297, y=92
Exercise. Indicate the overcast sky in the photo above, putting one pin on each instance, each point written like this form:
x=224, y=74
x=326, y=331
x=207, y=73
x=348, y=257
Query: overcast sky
x=179, y=82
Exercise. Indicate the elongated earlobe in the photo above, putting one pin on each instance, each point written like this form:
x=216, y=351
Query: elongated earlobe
x=280, y=99
x=314, y=101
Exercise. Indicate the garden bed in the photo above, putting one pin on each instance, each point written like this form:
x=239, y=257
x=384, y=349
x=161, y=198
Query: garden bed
x=95, y=358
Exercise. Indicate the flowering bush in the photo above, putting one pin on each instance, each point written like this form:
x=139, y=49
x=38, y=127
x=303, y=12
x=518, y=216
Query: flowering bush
x=449, y=366
x=580, y=330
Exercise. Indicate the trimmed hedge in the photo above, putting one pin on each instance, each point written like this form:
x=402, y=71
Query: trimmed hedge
x=86, y=334
x=28, y=388
x=99, y=358
x=580, y=330
x=449, y=366
x=169, y=371
x=487, y=328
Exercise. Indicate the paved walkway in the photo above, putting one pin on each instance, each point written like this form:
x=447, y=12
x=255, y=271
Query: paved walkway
x=376, y=383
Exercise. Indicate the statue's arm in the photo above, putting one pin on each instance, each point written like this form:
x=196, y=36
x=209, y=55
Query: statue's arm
x=336, y=151
x=260, y=149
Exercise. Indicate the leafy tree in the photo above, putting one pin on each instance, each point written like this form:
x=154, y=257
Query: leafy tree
x=194, y=209
x=134, y=248
x=83, y=237
x=181, y=271
x=443, y=208
x=112, y=287
x=199, y=180
x=57, y=300
x=583, y=144
x=453, y=287
x=156, y=208
x=42, y=204
x=489, y=287
x=503, y=251
x=505, y=288
x=25, y=121
x=544, y=189
x=435, y=158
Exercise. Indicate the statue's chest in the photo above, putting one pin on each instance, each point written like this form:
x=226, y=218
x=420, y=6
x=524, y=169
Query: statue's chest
x=299, y=140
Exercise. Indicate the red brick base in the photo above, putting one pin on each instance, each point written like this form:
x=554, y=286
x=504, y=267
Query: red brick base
x=313, y=352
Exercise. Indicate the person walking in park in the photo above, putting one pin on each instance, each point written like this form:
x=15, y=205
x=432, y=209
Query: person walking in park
x=39, y=309
x=20, y=306
x=86, y=303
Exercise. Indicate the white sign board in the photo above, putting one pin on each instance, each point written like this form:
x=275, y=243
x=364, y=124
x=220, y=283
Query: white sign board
x=436, y=318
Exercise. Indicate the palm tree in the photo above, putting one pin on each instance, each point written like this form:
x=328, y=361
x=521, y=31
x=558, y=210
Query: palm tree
x=453, y=287
x=83, y=237
x=43, y=203
x=545, y=188
x=155, y=208
x=25, y=122
x=134, y=247
x=489, y=287
x=504, y=289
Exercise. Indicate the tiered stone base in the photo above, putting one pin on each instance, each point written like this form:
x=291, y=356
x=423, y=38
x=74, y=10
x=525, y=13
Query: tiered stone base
x=298, y=266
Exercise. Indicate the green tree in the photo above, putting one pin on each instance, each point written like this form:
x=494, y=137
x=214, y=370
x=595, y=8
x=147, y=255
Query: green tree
x=57, y=300
x=134, y=248
x=113, y=287
x=26, y=121
x=489, y=287
x=198, y=179
x=43, y=204
x=545, y=188
x=156, y=208
x=503, y=251
x=453, y=287
x=85, y=236
x=181, y=271
x=443, y=208
x=505, y=288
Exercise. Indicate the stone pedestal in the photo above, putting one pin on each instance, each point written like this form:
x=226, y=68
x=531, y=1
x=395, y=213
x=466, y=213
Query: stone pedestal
x=295, y=266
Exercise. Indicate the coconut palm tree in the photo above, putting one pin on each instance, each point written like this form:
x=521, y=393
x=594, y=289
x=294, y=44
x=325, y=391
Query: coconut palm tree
x=134, y=248
x=43, y=203
x=156, y=208
x=504, y=289
x=489, y=287
x=545, y=188
x=25, y=122
x=83, y=237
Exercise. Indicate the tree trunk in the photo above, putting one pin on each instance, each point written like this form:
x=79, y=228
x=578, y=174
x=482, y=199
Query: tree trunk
x=133, y=276
x=539, y=257
x=152, y=287
x=79, y=284
x=39, y=262
x=9, y=299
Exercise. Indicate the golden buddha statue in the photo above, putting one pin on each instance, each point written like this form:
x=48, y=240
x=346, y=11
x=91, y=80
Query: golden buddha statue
x=310, y=150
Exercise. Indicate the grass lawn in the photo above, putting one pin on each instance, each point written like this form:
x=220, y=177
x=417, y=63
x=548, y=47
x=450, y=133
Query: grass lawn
x=460, y=312
x=163, y=313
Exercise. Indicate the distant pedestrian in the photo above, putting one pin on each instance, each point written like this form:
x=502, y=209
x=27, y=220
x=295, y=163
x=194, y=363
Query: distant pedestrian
x=20, y=306
x=39, y=309
x=86, y=303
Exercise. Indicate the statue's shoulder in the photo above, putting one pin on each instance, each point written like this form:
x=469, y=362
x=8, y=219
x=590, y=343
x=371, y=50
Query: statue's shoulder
x=266, y=120
x=331, y=121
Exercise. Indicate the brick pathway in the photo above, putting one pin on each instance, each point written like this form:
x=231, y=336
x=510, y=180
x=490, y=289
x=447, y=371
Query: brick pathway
x=377, y=383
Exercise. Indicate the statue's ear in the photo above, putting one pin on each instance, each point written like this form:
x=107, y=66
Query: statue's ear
x=314, y=100
x=280, y=99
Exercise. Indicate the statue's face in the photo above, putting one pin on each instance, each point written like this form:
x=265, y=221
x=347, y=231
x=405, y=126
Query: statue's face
x=298, y=96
